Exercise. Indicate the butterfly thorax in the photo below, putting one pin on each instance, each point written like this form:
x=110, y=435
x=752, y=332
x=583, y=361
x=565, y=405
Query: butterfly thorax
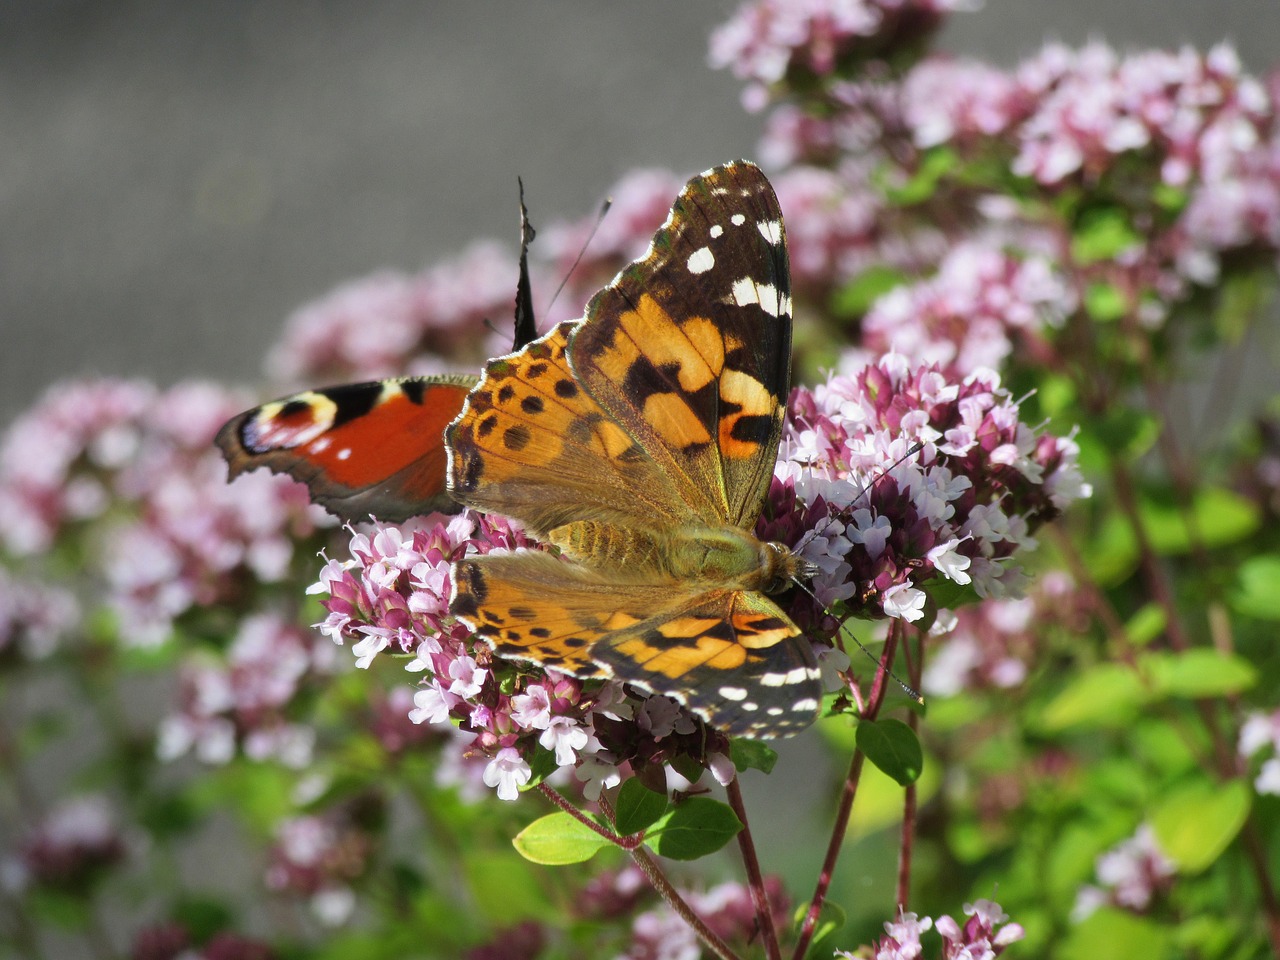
x=716, y=556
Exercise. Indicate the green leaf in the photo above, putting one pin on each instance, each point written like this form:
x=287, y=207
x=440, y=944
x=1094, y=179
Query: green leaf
x=1199, y=673
x=893, y=747
x=637, y=807
x=557, y=839
x=1111, y=555
x=831, y=920
x=854, y=299
x=1169, y=197
x=1257, y=592
x=1126, y=432
x=1196, y=823
x=1111, y=934
x=1105, y=695
x=934, y=165
x=1146, y=624
x=752, y=755
x=1103, y=233
x=1105, y=302
x=1217, y=518
x=504, y=888
x=693, y=829
x=1243, y=297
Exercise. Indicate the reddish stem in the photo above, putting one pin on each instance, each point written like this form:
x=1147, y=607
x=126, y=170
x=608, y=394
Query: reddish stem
x=755, y=879
x=847, y=796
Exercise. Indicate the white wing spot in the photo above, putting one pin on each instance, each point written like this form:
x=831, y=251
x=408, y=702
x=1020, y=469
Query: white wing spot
x=771, y=230
x=806, y=705
x=774, y=711
x=750, y=707
x=344, y=453
x=798, y=675
x=738, y=219
x=747, y=291
x=321, y=445
x=733, y=693
x=716, y=231
x=701, y=260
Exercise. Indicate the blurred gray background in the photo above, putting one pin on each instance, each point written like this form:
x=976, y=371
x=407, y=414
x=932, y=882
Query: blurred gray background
x=175, y=178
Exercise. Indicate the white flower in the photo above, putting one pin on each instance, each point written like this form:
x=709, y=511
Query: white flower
x=432, y=704
x=949, y=563
x=507, y=771
x=904, y=601
x=566, y=736
x=596, y=774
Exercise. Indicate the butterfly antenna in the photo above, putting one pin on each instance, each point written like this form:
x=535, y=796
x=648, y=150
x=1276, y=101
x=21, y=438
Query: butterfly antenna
x=907, y=688
x=526, y=325
x=604, y=209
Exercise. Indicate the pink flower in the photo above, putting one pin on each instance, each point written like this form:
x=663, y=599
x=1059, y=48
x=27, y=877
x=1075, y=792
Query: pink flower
x=771, y=40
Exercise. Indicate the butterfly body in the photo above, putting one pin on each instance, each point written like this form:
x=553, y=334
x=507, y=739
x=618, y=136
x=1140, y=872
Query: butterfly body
x=722, y=556
x=641, y=442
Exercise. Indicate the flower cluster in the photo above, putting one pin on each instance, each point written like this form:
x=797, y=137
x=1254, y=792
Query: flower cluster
x=72, y=845
x=990, y=645
x=241, y=698
x=897, y=476
x=34, y=617
x=727, y=910
x=1130, y=874
x=838, y=226
x=57, y=459
x=1182, y=148
x=394, y=323
x=139, y=462
x=318, y=856
x=393, y=596
x=976, y=938
x=775, y=40
x=1262, y=730
x=172, y=941
x=966, y=317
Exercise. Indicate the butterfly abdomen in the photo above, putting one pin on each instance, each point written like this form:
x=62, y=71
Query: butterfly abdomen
x=716, y=557
x=601, y=544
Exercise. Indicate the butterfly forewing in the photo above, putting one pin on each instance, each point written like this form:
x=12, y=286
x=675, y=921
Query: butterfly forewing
x=363, y=448
x=533, y=444
x=690, y=347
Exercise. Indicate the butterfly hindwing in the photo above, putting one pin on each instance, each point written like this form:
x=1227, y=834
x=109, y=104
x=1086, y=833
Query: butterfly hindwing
x=690, y=347
x=733, y=657
x=363, y=448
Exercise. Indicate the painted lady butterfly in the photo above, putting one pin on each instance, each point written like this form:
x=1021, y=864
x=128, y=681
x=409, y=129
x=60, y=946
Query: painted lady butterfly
x=641, y=442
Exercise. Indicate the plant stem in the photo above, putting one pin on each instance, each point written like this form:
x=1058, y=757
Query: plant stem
x=915, y=672
x=659, y=882
x=847, y=796
x=755, y=879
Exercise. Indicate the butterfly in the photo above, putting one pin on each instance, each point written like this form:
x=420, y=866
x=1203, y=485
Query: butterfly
x=368, y=448
x=640, y=441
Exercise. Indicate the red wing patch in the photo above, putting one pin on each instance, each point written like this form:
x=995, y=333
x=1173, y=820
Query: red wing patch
x=364, y=448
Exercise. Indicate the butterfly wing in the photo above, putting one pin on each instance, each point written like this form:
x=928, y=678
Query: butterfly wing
x=532, y=606
x=732, y=657
x=363, y=448
x=532, y=444
x=689, y=348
